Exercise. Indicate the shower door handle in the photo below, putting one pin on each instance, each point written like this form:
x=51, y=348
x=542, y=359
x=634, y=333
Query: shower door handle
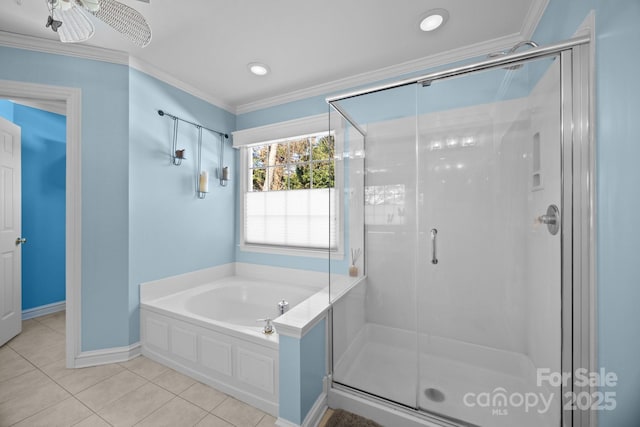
x=434, y=253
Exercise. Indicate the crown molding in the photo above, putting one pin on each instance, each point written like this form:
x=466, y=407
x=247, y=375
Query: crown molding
x=153, y=71
x=77, y=50
x=394, y=71
x=534, y=14
x=84, y=51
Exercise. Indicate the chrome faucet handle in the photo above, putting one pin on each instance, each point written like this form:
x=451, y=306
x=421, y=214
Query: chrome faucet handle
x=268, y=327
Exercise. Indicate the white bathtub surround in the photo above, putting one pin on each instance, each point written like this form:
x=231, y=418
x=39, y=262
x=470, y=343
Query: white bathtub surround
x=281, y=275
x=297, y=322
x=234, y=302
x=303, y=369
x=303, y=349
x=203, y=324
x=174, y=284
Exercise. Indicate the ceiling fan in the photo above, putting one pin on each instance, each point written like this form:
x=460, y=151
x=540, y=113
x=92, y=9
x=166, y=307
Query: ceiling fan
x=69, y=19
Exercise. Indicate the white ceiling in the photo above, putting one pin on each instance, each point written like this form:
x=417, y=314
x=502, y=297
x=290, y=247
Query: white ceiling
x=312, y=47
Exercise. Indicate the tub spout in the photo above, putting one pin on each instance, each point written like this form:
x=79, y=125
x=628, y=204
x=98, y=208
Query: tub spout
x=283, y=306
x=268, y=326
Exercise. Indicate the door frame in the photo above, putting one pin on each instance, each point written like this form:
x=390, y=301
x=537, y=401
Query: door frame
x=72, y=98
x=579, y=327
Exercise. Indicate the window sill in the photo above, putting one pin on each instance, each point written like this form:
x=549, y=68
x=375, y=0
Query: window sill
x=289, y=251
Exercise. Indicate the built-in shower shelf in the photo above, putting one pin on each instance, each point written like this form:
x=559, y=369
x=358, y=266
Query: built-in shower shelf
x=536, y=175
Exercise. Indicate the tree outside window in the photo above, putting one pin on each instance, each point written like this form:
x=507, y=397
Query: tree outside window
x=297, y=164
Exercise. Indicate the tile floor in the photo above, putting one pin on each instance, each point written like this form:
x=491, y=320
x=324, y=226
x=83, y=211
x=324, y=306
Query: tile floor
x=37, y=390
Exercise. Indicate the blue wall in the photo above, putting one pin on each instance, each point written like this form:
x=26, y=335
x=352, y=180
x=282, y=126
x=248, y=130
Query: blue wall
x=618, y=199
x=6, y=109
x=144, y=226
x=140, y=217
x=302, y=370
x=618, y=130
x=171, y=230
x=43, y=203
x=105, y=183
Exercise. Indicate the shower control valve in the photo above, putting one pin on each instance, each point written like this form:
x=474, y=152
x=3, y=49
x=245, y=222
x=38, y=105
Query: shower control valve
x=551, y=219
x=546, y=219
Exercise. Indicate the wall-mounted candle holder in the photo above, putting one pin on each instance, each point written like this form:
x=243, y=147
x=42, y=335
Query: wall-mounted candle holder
x=203, y=178
x=203, y=184
x=224, y=178
x=177, y=155
x=223, y=171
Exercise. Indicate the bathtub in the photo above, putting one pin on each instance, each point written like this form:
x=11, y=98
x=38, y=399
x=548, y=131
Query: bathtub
x=211, y=332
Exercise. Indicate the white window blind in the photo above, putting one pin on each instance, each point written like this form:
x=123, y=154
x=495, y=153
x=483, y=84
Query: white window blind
x=297, y=218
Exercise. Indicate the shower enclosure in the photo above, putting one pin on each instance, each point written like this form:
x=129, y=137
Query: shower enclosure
x=466, y=194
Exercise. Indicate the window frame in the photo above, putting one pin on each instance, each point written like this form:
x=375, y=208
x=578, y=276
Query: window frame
x=244, y=139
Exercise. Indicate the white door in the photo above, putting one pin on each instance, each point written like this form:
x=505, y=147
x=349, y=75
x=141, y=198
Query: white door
x=10, y=230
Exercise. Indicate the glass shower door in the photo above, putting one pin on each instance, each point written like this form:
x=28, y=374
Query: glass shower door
x=374, y=324
x=488, y=273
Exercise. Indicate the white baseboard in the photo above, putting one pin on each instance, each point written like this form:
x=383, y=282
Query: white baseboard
x=281, y=422
x=314, y=416
x=316, y=412
x=108, y=355
x=43, y=310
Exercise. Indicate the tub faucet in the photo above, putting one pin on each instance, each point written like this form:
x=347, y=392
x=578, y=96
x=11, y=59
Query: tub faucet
x=283, y=306
x=268, y=326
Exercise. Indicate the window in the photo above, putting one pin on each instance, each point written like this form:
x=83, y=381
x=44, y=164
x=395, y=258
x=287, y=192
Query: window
x=290, y=199
x=288, y=189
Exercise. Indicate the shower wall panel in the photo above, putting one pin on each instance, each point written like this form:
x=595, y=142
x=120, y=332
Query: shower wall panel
x=390, y=215
x=457, y=144
x=476, y=294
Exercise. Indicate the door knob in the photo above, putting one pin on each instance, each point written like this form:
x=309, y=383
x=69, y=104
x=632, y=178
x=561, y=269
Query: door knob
x=21, y=241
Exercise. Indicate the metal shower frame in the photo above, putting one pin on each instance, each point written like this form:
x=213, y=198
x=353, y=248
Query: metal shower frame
x=578, y=346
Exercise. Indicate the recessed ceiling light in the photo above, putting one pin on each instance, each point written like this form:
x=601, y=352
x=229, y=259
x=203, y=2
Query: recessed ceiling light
x=433, y=19
x=258, y=68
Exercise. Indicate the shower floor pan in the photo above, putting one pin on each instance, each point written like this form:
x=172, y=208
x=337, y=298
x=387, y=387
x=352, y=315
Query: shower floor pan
x=457, y=380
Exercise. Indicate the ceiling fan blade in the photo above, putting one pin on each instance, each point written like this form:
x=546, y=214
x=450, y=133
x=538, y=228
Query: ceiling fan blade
x=91, y=5
x=75, y=28
x=126, y=20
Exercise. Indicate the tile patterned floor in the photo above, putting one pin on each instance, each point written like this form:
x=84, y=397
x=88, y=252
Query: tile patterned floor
x=37, y=390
